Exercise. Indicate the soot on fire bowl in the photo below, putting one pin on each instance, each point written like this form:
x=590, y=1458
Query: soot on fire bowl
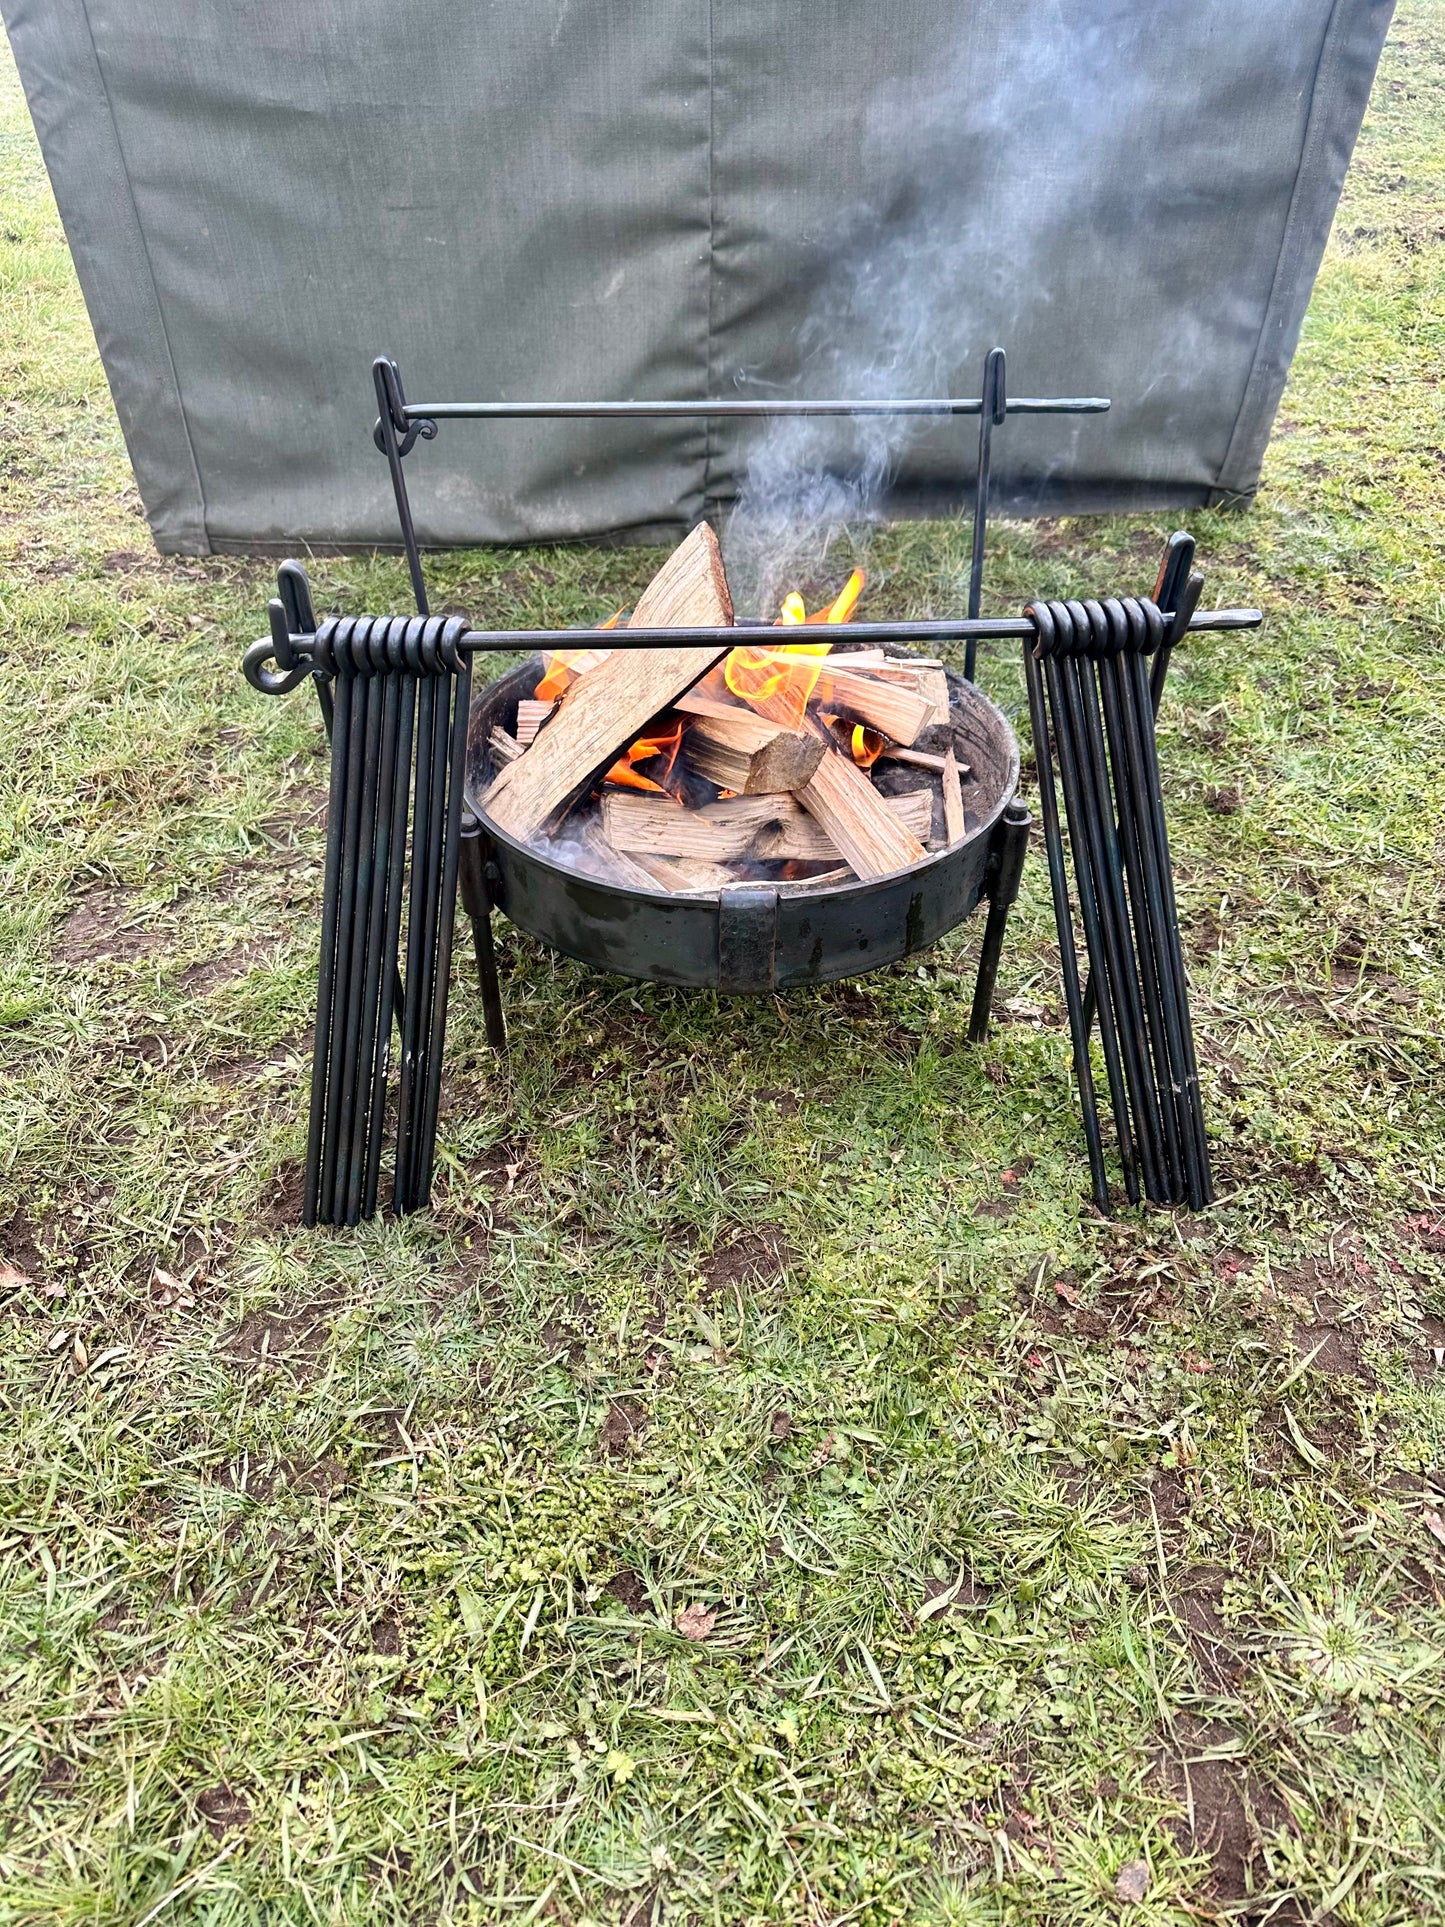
x=752, y=937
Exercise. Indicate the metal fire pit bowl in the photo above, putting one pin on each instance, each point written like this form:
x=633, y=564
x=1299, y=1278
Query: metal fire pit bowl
x=758, y=937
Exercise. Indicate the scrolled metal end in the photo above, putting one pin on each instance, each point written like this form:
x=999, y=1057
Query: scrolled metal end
x=271, y=682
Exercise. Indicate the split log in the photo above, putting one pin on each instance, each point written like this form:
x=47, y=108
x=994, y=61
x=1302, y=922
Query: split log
x=918, y=759
x=954, y=821
x=928, y=680
x=531, y=715
x=701, y=702
x=895, y=712
x=859, y=820
x=608, y=708
x=746, y=753
x=616, y=866
x=504, y=748
x=765, y=828
x=687, y=876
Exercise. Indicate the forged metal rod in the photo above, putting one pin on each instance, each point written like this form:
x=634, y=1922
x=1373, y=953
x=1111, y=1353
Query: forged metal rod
x=460, y=686
x=1196, y=1150
x=419, y=1175
x=1083, y=876
x=417, y=414
x=993, y=410
x=352, y=690
x=1063, y=914
x=352, y=1069
x=321, y=1047
x=381, y=781
x=1124, y=631
x=1109, y=882
x=415, y=944
x=405, y=681
x=525, y=641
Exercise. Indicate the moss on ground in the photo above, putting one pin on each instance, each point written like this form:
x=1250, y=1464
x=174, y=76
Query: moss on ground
x=352, y=1578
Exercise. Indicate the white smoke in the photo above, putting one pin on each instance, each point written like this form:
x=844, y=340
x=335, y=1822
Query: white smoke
x=979, y=182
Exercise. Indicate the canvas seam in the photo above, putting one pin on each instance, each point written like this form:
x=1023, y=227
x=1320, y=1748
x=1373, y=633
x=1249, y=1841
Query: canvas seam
x=1288, y=247
x=150, y=273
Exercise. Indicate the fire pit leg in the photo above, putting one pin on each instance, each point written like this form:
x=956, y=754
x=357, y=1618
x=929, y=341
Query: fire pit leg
x=1005, y=870
x=477, y=902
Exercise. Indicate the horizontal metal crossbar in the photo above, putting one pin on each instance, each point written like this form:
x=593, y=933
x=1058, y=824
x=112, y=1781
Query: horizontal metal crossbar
x=685, y=410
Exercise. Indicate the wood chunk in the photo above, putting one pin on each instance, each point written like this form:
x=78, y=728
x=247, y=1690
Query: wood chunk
x=608, y=708
x=531, y=715
x=696, y=702
x=616, y=865
x=504, y=748
x=766, y=828
x=954, y=821
x=918, y=759
x=923, y=679
x=689, y=591
x=688, y=876
x=898, y=713
x=748, y=754
x=862, y=827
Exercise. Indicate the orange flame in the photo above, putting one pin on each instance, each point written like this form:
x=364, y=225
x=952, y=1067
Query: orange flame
x=841, y=608
x=646, y=749
x=563, y=668
x=779, y=682
x=864, y=745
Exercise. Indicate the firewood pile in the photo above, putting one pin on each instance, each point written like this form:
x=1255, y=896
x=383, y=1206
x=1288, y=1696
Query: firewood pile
x=795, y=761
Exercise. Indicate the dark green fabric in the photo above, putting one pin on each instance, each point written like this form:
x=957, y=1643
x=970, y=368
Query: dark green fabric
x=606, y=201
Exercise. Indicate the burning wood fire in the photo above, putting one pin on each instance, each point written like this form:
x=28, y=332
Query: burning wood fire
x=798, y=762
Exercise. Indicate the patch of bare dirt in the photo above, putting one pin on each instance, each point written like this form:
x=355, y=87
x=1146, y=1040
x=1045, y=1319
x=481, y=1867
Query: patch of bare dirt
x=294, y=1339
x=386, y=1635
x=1197, y=1599
x=200, y=979
x=627, y=1588
x=98, y=928
x=1330, y=1348
x=1227, y=1810
x=625, y=1422
x=966, y=1595
x=281, y=1206
x=1427, y=1355
x=224, y=1808
x=758, y=1256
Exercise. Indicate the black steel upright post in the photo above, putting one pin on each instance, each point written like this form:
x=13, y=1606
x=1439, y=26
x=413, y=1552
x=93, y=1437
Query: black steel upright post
x=992, y=414
x=395, y=435
x=1003, y=889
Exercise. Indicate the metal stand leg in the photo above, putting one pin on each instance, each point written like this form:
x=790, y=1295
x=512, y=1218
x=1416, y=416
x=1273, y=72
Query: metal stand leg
x=1013, y=841
x=477, y=902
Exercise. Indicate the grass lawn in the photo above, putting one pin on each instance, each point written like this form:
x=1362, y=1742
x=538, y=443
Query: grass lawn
x=351, y=1578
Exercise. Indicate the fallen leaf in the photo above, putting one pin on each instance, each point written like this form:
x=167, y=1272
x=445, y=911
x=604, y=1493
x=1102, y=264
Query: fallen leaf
x=1436, y=1526
x=59, y=1338
x=79, y=1356
x=513, y=1171
x=1066, y=1291
x=696, y=1621
x=10, y=1278
x=1133, y=1881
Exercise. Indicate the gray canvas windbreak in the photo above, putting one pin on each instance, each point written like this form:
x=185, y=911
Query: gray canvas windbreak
x=683, y=198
